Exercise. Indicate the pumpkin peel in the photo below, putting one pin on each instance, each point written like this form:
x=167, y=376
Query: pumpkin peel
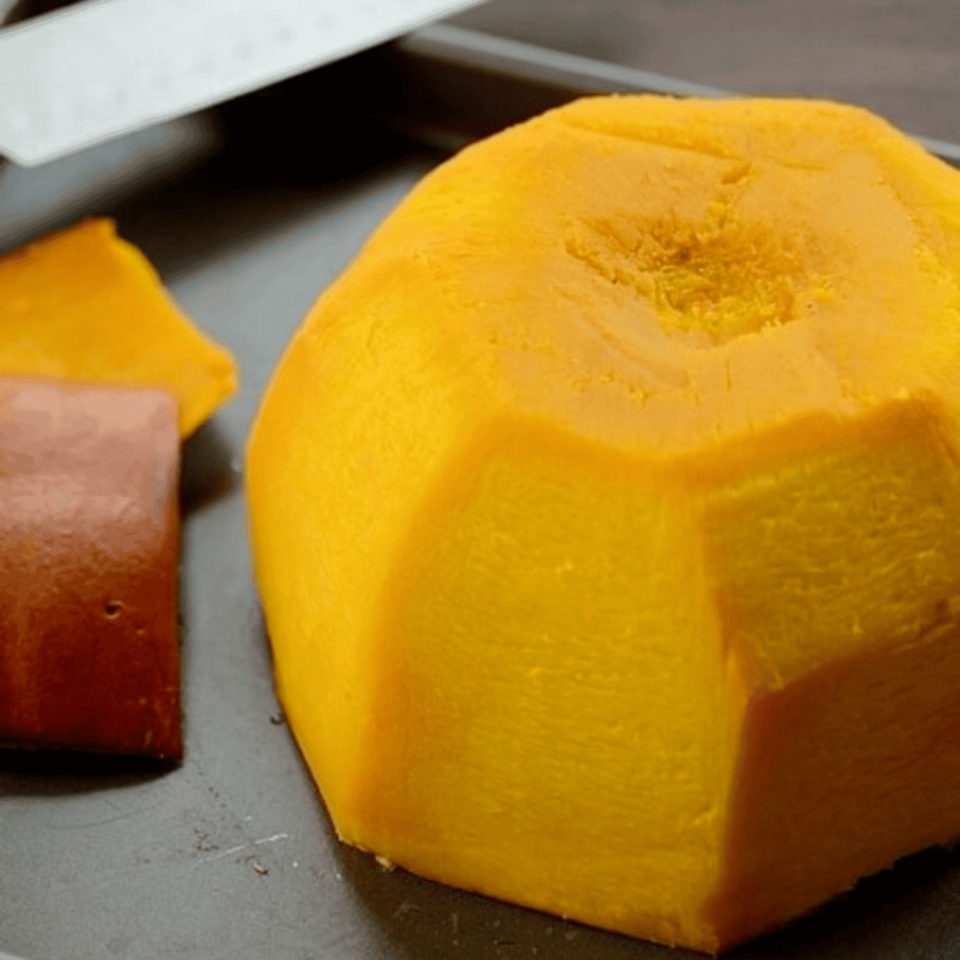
x=606, y=516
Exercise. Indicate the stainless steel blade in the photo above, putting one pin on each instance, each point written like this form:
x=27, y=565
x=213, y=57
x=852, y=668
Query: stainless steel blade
x=102, y=68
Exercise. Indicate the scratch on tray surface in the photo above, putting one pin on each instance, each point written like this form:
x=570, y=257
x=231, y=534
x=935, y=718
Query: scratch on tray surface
x=273, y=839
x=220, y=854
x=110, y=818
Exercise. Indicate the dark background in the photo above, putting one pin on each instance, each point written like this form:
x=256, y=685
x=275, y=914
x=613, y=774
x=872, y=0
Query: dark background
x=899, y=57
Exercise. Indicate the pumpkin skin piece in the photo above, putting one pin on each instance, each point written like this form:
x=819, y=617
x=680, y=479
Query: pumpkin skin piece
x=89, y=523
x=84, y=306
x=605, y=516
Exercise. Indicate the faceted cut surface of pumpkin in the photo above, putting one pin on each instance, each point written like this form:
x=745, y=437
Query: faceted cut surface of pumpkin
x=605, y=516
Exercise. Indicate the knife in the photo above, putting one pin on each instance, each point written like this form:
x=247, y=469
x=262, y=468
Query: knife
x=99, y=69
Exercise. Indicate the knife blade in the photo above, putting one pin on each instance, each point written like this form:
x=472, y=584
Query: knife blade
x=103, y=68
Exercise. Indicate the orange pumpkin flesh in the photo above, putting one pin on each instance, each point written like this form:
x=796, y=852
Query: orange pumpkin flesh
x=84, y=306
x=605, y=516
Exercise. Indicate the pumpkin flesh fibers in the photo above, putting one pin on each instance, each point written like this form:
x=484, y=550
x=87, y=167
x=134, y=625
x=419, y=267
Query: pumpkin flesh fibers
x=605, y=516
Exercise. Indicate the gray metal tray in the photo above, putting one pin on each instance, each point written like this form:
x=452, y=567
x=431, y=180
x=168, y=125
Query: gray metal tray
x=230, y=855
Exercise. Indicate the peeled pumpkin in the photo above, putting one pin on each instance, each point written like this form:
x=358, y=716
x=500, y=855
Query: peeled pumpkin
x=606, y=516
x=84, y=306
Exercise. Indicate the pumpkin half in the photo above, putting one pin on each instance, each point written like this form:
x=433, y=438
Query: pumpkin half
x=606, y=516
